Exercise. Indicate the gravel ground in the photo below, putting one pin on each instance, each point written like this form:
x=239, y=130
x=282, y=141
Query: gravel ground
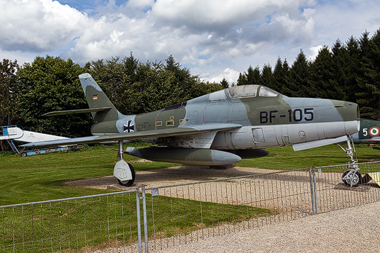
x=170, y=176
x=354, y=229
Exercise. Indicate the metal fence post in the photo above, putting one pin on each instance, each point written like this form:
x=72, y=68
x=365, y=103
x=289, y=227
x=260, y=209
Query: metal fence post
x=311, y=190
x=315, y=189
x=145, y=220
x=138, y=218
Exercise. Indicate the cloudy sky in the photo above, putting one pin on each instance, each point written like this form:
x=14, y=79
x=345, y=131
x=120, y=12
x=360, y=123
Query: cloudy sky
x=215, y=39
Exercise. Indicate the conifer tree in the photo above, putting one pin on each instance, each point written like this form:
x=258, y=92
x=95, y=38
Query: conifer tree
x=296, y=84
x=242, y=80
x=224, y=83
x=279, y=75
x=321, y=76
x=368, y=97
x=267, y=78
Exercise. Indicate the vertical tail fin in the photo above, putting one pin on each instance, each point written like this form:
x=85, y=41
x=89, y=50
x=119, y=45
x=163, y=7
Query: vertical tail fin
x=96, y=98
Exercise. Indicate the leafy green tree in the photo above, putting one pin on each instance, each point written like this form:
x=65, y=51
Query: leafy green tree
x=52, y=84
x=161, y=90
x=8, y=92
x=158, y=85
x=202, y=88
x=183, y=79
x=8, y=95
x=114, y=76
x=130, y=66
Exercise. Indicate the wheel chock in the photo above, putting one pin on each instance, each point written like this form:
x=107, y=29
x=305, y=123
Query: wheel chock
x=375, y=176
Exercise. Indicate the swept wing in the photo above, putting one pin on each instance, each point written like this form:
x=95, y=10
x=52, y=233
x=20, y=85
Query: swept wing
x=179, y=131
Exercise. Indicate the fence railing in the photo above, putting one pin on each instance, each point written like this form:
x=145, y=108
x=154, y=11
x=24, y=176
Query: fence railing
x=167, y=216
x=332, y=194
x=71, y=225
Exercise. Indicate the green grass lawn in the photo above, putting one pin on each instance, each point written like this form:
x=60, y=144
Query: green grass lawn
x=284, y=158
x=95, y=222
x=60, y=225
x=41, y=177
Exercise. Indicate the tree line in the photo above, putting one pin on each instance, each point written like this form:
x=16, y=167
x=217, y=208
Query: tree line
x=52, y=84
x=348, y=71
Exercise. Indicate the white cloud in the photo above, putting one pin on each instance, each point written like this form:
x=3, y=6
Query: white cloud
x=229, y=74
x=343, y=19
x=38, y=25
x=140, y=4
x=186, y=29
x=214, y=38
x=216, y=13
x=314, y=52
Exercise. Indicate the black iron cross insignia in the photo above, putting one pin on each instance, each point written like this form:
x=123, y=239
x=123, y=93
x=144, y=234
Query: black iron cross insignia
x=130, y=128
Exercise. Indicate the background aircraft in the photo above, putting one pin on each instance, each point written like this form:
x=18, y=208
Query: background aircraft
x=218, y=128
x=369, y=132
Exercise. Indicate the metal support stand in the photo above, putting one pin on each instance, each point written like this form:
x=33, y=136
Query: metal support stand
x=13, y=146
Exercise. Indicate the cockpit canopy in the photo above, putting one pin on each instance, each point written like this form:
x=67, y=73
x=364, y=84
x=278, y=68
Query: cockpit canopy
x=253, y=90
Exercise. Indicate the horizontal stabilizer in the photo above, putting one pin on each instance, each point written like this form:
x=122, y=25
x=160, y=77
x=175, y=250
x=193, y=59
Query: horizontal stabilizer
x=319, y=143
x=65, y=112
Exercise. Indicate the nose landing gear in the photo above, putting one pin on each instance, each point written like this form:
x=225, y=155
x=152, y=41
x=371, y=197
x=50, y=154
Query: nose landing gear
x=352, y=176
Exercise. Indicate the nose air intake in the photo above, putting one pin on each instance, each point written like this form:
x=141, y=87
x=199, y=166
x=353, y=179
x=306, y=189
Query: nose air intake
x=350, y=115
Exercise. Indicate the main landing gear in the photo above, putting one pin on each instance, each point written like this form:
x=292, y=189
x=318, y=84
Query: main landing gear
x=123, y=171
x=351, y=177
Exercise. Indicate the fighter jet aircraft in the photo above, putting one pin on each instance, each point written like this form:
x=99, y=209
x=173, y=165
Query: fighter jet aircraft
x=369, y=132
x=218, y=128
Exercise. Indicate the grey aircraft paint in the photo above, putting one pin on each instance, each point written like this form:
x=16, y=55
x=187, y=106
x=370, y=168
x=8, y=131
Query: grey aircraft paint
x=214, y=129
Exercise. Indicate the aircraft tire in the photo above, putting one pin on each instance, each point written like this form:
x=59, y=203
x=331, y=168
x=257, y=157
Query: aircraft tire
x=129, y=182
x=357, y=179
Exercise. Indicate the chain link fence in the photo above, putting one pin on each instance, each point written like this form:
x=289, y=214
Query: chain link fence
x=156, y=218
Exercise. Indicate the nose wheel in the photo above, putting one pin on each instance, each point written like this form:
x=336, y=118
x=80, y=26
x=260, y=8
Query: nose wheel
x=351, y=177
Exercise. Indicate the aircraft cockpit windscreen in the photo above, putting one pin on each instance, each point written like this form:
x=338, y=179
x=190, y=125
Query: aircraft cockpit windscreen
x=244, y=91
x=266, y=92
